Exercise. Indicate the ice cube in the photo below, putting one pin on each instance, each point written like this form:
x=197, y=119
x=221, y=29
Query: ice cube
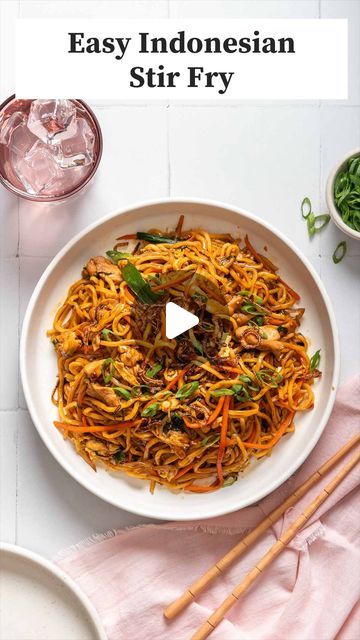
x=52, y=120
x=36, y=169
x=79, y=149
x=8, y=126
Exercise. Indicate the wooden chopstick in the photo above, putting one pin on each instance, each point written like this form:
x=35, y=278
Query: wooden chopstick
x=199, y=585
x=216, y=617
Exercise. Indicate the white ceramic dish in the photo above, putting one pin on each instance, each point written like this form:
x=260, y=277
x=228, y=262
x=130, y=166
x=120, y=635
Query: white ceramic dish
x=40, y=602
x=38, y=363
x=335, y=215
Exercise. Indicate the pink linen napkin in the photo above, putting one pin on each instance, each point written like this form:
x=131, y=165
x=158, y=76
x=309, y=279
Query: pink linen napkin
x=310, y=592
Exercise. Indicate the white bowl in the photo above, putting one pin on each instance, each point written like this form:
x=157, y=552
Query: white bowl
x=38, y=362
x=333, y=210
x=40, y=602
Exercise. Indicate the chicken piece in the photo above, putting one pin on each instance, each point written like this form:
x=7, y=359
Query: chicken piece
x=235, y=304
x=102, y=266
x=67, y=343
x=93, y=368
x=104, y=449
x=266, y=337
x=105, y=394
x=241, y=318
x=179, y=442
x=129, y=356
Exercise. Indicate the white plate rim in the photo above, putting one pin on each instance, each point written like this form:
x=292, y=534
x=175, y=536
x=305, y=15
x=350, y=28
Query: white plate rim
x=52, y=568
x=293, y=467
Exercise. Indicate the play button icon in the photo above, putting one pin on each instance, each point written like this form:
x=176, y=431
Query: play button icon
x=178, y=320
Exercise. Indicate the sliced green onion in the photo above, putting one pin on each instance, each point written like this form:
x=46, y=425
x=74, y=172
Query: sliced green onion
x=241, y=393
x=258, y=300
x=245, y=379
x=269, y=378
x=229, y=481
x=347, y=193
x=138, y=285
x=264, y=335
x=151, y=410
x=209, y=441
x=119, y=456
x=340, y=252
x=197, y=346
x=315, y=360
x=108, y=369
x=323, y=219
x=155, y=239
x=151, y=373
x=115, y=256
x=252, y=309
x=310, y=219
x=106, y=334
x=123, y=393
x=306, y=208
x=141, y=390
x=187, y=390
x=217, y=393
x=244, y=293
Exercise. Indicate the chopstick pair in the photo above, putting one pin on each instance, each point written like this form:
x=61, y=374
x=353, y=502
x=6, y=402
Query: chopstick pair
x=194, y=589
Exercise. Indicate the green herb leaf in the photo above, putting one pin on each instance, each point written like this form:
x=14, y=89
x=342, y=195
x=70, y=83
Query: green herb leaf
x=315, y=360
x=151, y=410
x=138, y=285
x=187, y=390
x=108, y=369
x=340, y=252
x=151, y=373
x=306, y=208
x=115, y=256
x=155, y=239
x=123, y=393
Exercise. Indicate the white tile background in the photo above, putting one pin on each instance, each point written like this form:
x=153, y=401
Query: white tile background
x=261, y=156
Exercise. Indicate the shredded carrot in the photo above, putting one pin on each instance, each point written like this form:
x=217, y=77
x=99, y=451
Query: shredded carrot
x=222, y=444
x=95, y=428
x=192, y=425
x=176, y=379
x=179, y=226
x=198, y=488
x=284, y=425
x=216, y=411
x=128, y=236
x=183, y=471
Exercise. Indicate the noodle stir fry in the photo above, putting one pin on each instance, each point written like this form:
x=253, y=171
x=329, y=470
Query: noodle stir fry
x=188, y=413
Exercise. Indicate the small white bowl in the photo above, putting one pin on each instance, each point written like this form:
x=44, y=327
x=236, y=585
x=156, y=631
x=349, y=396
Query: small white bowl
x=333, y=210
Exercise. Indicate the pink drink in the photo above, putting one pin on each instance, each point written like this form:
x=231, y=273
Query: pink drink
x=49, y=149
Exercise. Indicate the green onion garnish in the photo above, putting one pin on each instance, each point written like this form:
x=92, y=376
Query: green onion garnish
x=229, y=481
x=151, y=373
x=306, y=208
x=340, y=252
x=138, y=285
x=151, y=410
x=187, y=390
x=108, y=369
x=141, y=390
x=269, y=378
x=106, y=334
x=347, y=193
x=315, y=360
x=209, y=441
x=119, y=456
x=217, y=393
x=252, y=309
x=123, y=393
x=115, y=256
x=155, y=239
x=197, y=346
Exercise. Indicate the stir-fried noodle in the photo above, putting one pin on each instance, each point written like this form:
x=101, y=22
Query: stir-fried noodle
x=188, y=413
